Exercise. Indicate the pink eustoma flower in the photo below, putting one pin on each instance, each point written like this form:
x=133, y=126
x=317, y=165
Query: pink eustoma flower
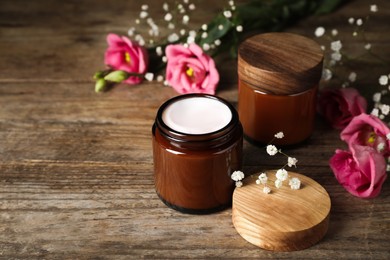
x=339, y=106
x=368, y=130
x=190, y=70
x=127, y=55
x=361, y=171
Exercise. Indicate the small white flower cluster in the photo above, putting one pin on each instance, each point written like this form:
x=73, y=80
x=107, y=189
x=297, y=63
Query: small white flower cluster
x=281, y=176
x=336, y=54
x=381, y=110
x=204, y=33
x=273, y=150
x=238, y=176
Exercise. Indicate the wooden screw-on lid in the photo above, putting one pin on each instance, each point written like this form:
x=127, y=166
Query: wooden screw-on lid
x=285, y=219
x=280, y=63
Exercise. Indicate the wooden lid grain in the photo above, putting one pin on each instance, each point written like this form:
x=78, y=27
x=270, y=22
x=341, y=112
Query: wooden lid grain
x=285, y=219
x=280, y=63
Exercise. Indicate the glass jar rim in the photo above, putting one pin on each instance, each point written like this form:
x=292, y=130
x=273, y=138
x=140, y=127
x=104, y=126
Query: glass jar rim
x=177, y=136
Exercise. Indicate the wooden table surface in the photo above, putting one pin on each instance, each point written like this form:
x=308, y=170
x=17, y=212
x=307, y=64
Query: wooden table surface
x=76, y=170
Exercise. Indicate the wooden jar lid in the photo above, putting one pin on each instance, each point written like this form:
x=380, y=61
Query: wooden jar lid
x=285, y=219
x=280, y=63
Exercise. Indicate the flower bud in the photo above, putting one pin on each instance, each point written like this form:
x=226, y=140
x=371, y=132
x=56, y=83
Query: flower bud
x=100, y=85
x=117, y=76
x=98, y=75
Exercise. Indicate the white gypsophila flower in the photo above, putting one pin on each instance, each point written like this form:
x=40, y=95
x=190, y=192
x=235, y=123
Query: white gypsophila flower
x=164, y=59
x=239, y=28
x=359, y=22
x=354, y=34
x=279, y=135
x=266, y=190
x=204, y=35
x=186, y=19
x=238, y=184
x=263, y=178
x=165, y=7
x=374, y=8
x=258, y=181
x=237, y=176
x=220, y=27
x=323, y=47
x=227, y=14
x=191, y=7
x=383, y=80
x=327, y=74
x=385, y=109
x=217, y=42
x=281, y=174
x=388, y=167
x=166, y=83
x=352, y=76
x=351, y=20
x=173, y=37
x=143, y=14
x=380, y=147
x=171, y=26
x=190, y=39
x=377, y=97
x=231, y=2
x=168, y=17
x=381, y=117
x=291, y=161
x=320, y=31
x=388, y=136
x=160, y=78
x=295, y=183
x=204, y=27
x=186, y=1
x=137, y=21
x=131, y=31
x=334, y=32
x=278, y=183
x=206, y=46
x=149, y=76
x=336, y=56
x=144, y=7
x=192, y=33
x=182, y=31
x=336, y=45
x=272, y=150
x=367, y=46
x=375, y=112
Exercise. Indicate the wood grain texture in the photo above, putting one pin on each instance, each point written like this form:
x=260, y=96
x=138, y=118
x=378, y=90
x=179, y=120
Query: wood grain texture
x=76, y=168
x=285, y=219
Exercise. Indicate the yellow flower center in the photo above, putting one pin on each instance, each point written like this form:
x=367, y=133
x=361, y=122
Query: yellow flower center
x=127, y=57
x=190, y=72
x=371, y=138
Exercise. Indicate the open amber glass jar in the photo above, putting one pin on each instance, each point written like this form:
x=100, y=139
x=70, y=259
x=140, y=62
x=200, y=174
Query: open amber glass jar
x=197, y=144
x=278, y=75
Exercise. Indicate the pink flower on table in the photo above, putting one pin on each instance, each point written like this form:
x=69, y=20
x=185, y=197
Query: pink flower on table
x=368, y=130
x=190, y=70
x=339, y=106
x=124, y=54
x=361, y=171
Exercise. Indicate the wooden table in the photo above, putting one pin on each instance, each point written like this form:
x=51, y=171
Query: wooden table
x=76, y=171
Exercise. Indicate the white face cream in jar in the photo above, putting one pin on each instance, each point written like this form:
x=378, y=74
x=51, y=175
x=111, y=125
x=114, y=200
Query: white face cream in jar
x=197, y=144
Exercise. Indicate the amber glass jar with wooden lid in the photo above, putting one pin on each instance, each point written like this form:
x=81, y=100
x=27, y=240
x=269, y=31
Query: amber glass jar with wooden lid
x=278, y=81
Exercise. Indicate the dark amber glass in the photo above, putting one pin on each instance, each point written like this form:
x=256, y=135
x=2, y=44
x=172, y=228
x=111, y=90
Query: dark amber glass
x=192, y=172
x=263, y=115
x=278, y=76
